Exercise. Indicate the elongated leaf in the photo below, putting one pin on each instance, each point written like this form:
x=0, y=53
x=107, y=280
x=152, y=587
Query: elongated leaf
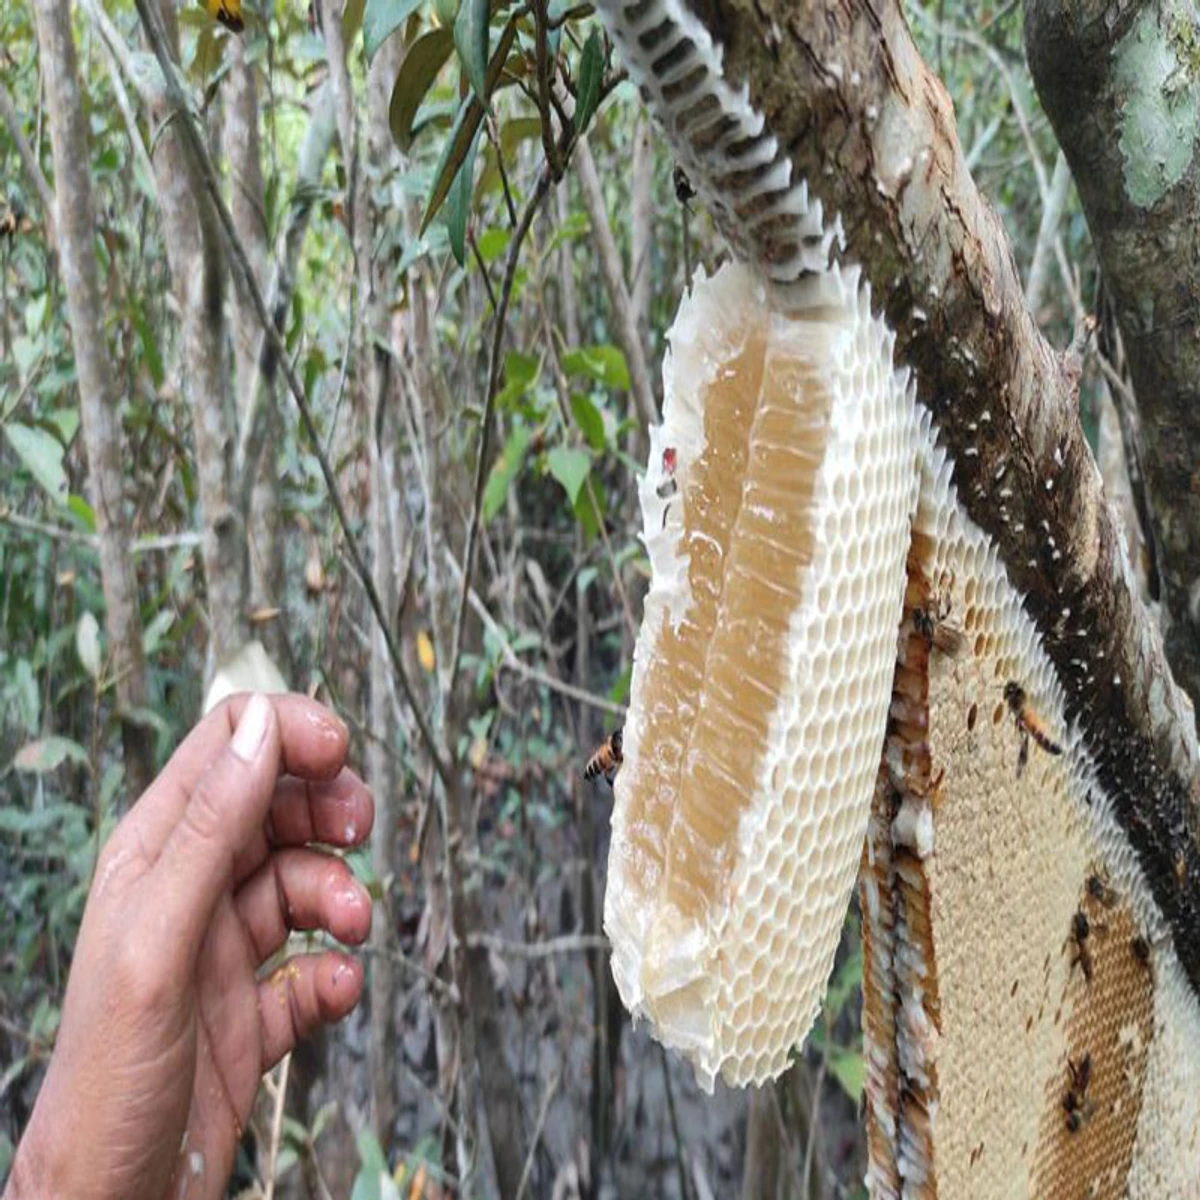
x=87, y=644
x=382, y=18
x=587, y=417
x=471, y=42
x=425, y=58
x=47, y=753
x=591, y=72
x=570, y=467
x=42, y=456
x=604, y=363
x=462, y=133
x=504, y=471
x=458, y=205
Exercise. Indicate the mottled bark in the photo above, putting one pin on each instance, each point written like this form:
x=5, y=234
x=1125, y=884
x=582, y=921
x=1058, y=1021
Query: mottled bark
x=1125, y=112
x=75, y=220
x=198, y=279
x=247, y=206
x=848, y=100
x=255, y=430
x=383, y=453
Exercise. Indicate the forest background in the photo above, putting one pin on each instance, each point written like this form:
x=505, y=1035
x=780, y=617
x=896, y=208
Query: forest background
x=471, y=242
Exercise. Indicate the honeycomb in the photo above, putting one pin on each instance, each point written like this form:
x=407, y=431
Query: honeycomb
x=979, y=1007
x=776, y=511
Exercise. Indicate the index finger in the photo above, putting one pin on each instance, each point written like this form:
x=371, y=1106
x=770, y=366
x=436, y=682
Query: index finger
x=312, y=745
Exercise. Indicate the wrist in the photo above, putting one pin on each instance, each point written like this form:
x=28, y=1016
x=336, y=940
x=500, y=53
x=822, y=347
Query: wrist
x=42, y=1167
x=33, y=1173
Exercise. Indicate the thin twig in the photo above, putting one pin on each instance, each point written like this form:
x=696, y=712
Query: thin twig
x=277, y=1125
x=575, y=943
x=527, y=1170
x=446, y=991
x=89, y=541
x=208, y=177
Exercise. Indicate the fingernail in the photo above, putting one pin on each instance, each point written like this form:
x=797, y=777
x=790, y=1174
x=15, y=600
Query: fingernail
x=252, y=728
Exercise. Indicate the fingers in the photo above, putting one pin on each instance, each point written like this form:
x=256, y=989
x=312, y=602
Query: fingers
x=303, y=993
x=227, y=804
x=312, y=746
x=302, y=889
x=338, y=812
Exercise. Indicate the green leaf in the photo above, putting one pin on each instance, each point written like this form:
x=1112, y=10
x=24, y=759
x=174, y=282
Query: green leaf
x=425, y=58
x=156, y=631
x=604, y=363
x=462, y=132
x=493, y=243
x=521, y=368
x=585, y=579
x=504, y=470
x=352, y=19
x=591, y=72
x=570, y=467
x=848, y=1069
x=87, y=644
x=619, y=692
x=382, y=18
x=42, y=456
x=458, y=206
x=588, y=418
x=47, y=753
x=589, y=512
x=471, y=42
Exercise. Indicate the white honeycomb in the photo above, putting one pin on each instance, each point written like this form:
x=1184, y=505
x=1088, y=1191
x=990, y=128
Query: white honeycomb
x=777, y=509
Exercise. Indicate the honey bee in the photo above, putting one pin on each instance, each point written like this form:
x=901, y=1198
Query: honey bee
x=929, y=620
x=1081, y=929
x=1029, y=723
x=1076, y=1103
x=606, y=758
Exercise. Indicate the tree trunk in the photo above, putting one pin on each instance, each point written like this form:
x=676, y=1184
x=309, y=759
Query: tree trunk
x=1120, y=87
x=247, y=206
x=75, y=224
x=198, y=278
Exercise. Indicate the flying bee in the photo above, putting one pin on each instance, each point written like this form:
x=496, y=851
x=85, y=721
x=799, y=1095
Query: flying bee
x=1081, y=929
x=930, y=619
x=1076, y=1103
x=606, y=758
x=1029, y=723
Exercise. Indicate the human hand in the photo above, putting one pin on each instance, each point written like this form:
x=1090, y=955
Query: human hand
x=166, y=1027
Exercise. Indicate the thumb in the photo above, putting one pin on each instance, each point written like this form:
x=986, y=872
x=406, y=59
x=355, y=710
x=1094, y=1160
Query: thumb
x=227, y=806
